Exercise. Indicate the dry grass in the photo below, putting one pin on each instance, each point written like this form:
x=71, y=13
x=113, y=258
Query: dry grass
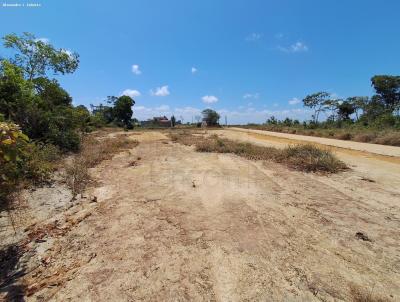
x=306, y=158
x=94, y=150
x=390, y=138
x=311, y=159
x=360, y=295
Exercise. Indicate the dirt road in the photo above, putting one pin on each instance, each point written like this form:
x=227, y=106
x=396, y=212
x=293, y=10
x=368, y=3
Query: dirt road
x=352, y=145
x=178, y=225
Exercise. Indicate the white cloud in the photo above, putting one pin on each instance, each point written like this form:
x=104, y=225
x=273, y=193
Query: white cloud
x=294, y=101
x=209, y=99
x=135, y=69
x=162, y=108
x=131, y=92
x=251, y=95
x=299, y=46
x=186, y=113
x=43, y=40
x=160, y=91
x=193, y=70
x=254, y=37
x=296, y=47
x=188, y=110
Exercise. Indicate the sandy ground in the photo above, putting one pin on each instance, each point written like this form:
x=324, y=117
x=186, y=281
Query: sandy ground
x=171, y=224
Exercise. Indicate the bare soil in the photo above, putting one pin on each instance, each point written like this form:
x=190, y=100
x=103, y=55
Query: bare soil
x=179, y=225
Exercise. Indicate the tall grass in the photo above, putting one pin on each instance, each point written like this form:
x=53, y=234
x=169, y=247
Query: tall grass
x=306, y=158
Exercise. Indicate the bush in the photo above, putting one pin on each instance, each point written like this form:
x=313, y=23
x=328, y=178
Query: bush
x=21, y=161
x=39, y=161
x=11, y=147
x=365, y=137
x=344, y=136
x=309, y=158
x=384, y=121
x=392, y=139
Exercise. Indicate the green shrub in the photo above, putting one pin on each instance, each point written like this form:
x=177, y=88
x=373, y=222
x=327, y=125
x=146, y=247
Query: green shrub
x=21, y=161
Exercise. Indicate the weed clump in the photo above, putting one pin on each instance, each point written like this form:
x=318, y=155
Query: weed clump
x=309, y=158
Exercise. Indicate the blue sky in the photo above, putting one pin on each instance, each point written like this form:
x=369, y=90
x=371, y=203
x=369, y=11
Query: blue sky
x=246, y=59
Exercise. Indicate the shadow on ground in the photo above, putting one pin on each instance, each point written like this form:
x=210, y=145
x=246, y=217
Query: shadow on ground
x=10, y=273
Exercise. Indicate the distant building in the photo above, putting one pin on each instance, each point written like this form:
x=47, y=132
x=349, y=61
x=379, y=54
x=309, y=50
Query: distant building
x=157, y=121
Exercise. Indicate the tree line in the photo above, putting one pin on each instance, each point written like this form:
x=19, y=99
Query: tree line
x=384, y=106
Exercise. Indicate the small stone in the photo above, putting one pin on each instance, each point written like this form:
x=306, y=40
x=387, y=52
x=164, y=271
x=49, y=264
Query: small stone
x=362, y=236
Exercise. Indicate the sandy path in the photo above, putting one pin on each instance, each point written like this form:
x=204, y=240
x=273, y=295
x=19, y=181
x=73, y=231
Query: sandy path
x=371, y=148
x=184, y=226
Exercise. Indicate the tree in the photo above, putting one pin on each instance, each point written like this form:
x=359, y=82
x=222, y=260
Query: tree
x=272, y=120
x=319, y=102
x=82, y=118
x=388, y=88
x=40, y=107
x=123, y=110
x=211, y=117
x=103, y=114
x=345, y=109
x=51, y=93
x=332, y=106
x=173, y=121
x=15, y=93
x=287, y=122
x=37, y=57
x=359, y=103
x=373, y=109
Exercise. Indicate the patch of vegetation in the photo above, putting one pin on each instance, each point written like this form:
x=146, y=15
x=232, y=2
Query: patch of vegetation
x=34, y=105
x=39, y=105
x=211, y=117
x=22, y=162
x=118, y=112
x=309, y=158
x=94, y=150
x=306, y=158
